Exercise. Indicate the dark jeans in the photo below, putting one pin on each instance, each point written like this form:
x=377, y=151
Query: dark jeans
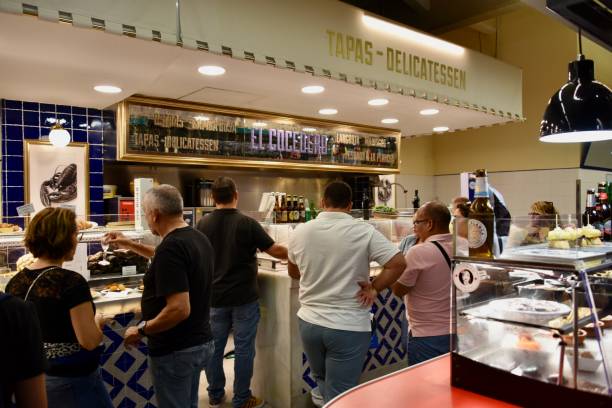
x=243, y=319
x=336, y=357
x=425, y=348
x=77, y=392
x=176, y=376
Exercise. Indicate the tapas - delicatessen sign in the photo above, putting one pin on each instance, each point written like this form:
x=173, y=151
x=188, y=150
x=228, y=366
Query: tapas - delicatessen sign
x=166, y=131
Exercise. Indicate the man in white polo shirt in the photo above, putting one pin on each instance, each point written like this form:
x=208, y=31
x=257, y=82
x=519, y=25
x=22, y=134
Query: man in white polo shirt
x=331, y=256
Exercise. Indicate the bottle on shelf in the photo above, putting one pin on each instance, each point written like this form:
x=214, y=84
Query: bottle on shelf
x=302, y=209
x=365, y=205
x=296, y=209
x=416, y=201
x=603, y=208
x=307, y=213
x=481, y=224
x=276, y=212
x=590, y=215
x=284, y=217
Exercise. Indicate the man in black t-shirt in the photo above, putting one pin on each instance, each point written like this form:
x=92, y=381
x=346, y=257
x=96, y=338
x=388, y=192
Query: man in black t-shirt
x=175, y=301
x=235, y=239
x=21, y=354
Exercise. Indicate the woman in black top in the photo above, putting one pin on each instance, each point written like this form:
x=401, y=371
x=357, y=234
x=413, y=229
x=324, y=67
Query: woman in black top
x=71, y=333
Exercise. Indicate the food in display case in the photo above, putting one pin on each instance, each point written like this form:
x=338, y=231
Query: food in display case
x=7, y=228
x=24, y=261
x=529, y=342
x=591, y=236
x=117, y=260
x=115, y=287
x=85, y=225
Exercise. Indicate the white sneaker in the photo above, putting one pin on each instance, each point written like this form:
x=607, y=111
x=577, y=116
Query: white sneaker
x=317, y=398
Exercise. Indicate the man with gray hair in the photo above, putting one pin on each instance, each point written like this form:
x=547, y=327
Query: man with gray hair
x=175, y=301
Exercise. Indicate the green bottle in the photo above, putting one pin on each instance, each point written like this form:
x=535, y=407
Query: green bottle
x=307, y=213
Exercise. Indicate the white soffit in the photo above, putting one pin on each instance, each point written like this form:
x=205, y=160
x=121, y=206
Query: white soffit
x=57, y=63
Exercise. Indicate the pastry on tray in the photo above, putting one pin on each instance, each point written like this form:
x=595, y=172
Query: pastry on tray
x=115, y=287
x=6, y=228
x=560, y=238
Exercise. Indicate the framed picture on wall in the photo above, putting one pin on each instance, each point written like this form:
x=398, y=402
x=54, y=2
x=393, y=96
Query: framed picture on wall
x=57, y=176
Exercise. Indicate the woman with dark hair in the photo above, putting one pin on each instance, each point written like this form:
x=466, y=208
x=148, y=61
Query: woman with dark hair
x=71, y=332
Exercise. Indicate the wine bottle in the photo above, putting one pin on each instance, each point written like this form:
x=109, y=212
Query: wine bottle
x=416, y=201
x=365, y=205
x=481, y=223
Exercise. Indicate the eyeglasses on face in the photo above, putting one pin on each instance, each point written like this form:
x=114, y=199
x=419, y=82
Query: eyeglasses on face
x=417, y=222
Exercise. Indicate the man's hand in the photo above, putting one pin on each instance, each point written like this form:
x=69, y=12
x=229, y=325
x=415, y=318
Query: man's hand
x=132, y=337
x=117, y=239
x=367, y=294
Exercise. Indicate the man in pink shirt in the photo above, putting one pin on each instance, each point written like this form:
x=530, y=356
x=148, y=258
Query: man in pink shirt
x=425, y=284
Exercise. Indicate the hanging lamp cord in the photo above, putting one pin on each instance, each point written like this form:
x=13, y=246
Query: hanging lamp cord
x=579, y=41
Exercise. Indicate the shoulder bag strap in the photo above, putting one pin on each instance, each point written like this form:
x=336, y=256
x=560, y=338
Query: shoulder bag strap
x=446, y=257
x=35, y=280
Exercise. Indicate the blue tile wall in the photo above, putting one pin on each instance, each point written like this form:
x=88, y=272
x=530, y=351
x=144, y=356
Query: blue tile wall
x=30, y=120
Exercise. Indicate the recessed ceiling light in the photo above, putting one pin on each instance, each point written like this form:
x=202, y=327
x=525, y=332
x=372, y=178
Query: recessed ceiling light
x=309, y=129
x=328, y=111
x=201, y=118
x=211, y=70
x=313, y=89
x=389, y=121
x=260, y=124
x=440, y=129
x=110, y=89
x=429, y=112
x=378, y=102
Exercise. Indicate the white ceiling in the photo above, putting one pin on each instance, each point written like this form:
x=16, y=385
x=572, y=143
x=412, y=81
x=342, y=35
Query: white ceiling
x=58, y=63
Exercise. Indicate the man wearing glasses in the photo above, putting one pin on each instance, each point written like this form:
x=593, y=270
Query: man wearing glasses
x=425, y=284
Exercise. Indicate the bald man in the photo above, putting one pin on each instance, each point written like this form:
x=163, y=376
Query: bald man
x=425, y=284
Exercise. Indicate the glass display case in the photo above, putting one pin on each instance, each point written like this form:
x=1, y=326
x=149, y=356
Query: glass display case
x=534, y=324
x=109, y=271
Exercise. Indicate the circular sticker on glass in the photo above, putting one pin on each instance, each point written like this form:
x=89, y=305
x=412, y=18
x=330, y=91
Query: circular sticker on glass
x=477, y=233
x=467, y=277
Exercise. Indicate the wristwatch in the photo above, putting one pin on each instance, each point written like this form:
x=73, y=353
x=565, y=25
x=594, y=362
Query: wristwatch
x=141, y=328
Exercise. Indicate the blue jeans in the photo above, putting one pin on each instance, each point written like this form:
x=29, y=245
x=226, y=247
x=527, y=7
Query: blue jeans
x=336, y=357
x=425, y=348
x=243, y=319
x=176, y=376
x=77, y=392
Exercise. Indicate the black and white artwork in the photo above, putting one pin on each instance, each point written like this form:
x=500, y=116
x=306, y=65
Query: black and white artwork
x=61, y=187
x=57, y=176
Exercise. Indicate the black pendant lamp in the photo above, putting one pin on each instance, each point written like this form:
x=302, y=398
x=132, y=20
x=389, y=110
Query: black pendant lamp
x=581, y=110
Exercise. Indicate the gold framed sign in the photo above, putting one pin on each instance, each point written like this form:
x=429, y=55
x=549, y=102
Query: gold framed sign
x=167, y=131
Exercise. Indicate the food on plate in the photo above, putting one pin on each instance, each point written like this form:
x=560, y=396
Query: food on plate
x=115, y=287
x=565, y=320
x=560, y=238
x=83, y=225
x=141, y=286
x=592, y=236
x=607, y=321
x=569, y=338
x=590, y=328
x=586, y=354
x=533, y=306
x=527, y=342
x=605, y=274
x=94, y=294
x=6, y=228
x=24, y=261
